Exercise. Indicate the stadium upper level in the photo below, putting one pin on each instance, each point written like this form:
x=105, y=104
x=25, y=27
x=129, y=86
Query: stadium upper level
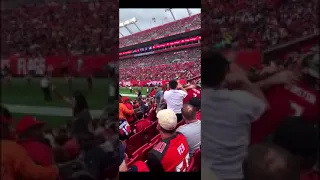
x=187, y=24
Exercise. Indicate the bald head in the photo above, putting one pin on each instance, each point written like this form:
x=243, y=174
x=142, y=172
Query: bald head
x=269, y=162
x=188, y=112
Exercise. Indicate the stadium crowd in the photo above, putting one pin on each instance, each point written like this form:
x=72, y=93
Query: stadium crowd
x=161, y=132
x=183, y=64
x=59, y=28
x=175, y=27
x=262, y=122
x=82, y=148
x=257, y=24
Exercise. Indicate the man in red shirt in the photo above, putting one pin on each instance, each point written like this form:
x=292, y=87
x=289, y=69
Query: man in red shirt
x=194, y=92
x=297, y=99
x=171, y=154
x=141, y=124
x=126, y=101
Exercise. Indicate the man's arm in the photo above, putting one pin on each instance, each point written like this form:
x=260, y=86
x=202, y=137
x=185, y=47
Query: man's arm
x=154, y=163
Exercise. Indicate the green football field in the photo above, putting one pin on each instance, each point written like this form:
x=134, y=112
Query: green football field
x=124, y=91
x=21, y=98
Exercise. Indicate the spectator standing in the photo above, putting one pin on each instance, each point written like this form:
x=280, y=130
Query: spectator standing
x=192, y=129
x=44, y=84
x=158, y=97
x=227, y=115
x=174, y=98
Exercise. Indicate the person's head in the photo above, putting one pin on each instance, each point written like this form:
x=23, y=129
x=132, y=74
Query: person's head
x=269, y=162
x=300, y=138
x=79, y=101
x=29, y=127
x=139, y=115
x=123, y=165
x=173, y=84
x=167, y=122
x=196, y=103
x=214, y=69
x=125, y=99
x=188, y=112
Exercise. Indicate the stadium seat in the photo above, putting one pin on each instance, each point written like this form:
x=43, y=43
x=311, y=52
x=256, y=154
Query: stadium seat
x=138, y=153
x=135, y=142
x=151, y=132
x=195, y=162
x=156, y=139
x=144, y=153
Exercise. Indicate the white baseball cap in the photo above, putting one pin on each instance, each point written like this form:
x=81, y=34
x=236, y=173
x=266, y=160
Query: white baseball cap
x=167, y=119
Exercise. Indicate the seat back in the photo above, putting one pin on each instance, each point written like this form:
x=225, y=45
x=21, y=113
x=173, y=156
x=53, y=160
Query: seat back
x=134, y=143
x=151, y=131
x=156, y=139
x=197, y=160
x=144, y=154
x=138, y=152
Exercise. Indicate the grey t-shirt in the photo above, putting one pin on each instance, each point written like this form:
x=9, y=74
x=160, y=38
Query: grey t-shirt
x=192, y=132
x=158, y=96
x=227, y=117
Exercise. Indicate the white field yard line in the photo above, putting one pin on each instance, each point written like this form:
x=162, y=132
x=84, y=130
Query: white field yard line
x=48, y=111
x=131, y=95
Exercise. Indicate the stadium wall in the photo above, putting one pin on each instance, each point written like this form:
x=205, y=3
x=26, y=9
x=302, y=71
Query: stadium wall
x=56, y=65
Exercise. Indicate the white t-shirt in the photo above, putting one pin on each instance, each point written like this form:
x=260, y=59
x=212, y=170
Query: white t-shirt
x=174, y=99
x=44, y=83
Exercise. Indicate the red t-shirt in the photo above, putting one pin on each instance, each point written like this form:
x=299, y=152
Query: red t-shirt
x=298, y=100
x=142, y=124
x=198, y=115
x=192, y=93
x=172, y=153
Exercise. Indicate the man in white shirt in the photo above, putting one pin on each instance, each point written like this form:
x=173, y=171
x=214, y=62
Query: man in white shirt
x=44, y=84
x=192, y=129
x=174, y=97
x=227, y=115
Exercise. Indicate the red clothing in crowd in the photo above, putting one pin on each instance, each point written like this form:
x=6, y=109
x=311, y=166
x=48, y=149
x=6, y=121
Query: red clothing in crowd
x=298, y=100
x=130, y=107
x=142, y=124
x=172, y=154
x=192, y=93
x=41, y=153
x=198, y=115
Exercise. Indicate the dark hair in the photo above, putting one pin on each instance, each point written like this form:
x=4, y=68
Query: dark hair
x=80, y=103
x=300, y=138
x=173, y=84
x=139, y=115
x=269, y=162
x=214, y=68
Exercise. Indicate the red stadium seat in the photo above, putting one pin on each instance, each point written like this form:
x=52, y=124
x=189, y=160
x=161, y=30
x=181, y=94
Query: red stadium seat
x=151, y=131
x=138, y=153
x=156, y=139
x=144, y=154
x=197, y=161
x=134, y=143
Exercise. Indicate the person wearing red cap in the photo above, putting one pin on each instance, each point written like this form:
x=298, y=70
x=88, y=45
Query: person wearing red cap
x=30, y=135
x=15, y=161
